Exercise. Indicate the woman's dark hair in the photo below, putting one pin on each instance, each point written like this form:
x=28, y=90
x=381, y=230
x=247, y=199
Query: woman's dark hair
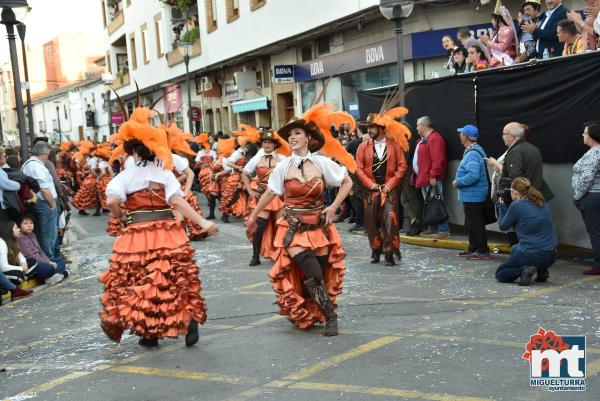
x=451, y=38
x=465, y=54
x=251, y=150
x=478, y=50
x=13, y=162
x=527, y=191
x=499, y=20
x=11, y=152
x=536, y=6
x=6, y=233
x=593, y=128
x=138, y=147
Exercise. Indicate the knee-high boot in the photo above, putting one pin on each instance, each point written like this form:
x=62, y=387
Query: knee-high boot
x=319, y=293
x=261, y=225
x=212, y=203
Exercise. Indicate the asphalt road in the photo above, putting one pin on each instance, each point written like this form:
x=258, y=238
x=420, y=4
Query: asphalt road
x=435, y=327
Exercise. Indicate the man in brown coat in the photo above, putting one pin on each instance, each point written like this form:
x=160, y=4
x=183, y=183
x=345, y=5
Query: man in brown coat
x=381, y=166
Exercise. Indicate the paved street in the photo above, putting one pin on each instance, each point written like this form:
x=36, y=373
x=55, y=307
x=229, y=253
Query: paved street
x=435, y=327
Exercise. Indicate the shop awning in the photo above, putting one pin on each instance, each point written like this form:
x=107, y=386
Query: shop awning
x=258, y=103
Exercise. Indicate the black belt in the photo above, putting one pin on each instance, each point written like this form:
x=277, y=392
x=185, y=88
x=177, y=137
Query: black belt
x=139, y=216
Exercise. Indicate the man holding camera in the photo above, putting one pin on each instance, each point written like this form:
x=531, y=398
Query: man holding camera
x=522, y=159
x=530, y=12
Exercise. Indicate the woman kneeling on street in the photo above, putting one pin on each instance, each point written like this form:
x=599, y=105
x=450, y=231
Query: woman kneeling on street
x=529, y=215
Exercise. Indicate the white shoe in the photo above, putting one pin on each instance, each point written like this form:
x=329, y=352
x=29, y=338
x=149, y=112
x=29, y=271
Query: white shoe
x=55, y=279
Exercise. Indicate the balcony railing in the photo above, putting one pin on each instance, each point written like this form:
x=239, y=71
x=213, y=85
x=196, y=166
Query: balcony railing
x=175, y=57
x=121, y=81
x=116, y=22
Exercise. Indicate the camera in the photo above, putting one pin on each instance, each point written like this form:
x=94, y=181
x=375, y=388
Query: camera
x=504, y=196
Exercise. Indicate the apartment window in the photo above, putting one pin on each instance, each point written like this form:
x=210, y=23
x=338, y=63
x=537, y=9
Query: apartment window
x=306, y=53
x=211, y=15
x=233, y=10
x=323, y=45
x=256, y=4
x=104, y=14
x=108, y=63
x=145, y=44
x=132, y=51
x=158, y=29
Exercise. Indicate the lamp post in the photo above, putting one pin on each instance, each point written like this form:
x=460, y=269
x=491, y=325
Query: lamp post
x=184, y=48
x=108, y=80
x=397, y=10
x=21, y=28
x=10, y=20
x=58, y=120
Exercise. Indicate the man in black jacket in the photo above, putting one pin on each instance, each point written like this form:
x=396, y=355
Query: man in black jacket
x=544, y=31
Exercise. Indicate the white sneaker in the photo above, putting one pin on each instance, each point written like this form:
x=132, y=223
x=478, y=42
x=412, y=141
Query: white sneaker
x=55, y=279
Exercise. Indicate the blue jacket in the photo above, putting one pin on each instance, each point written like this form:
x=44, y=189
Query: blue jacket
x=471, y=176
x=547, y=36
x=532, y=224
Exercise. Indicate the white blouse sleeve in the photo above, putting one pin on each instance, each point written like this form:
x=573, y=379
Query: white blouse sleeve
x=250, y=167
x=22, y=259
x=117, y=187
x=180, y=163
x=333, y=173
x=4, y=265
x=172, y=186
x=277, y=177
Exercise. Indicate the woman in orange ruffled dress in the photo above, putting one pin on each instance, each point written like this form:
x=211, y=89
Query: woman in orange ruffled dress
x=87, y=195
x=103, y=153
x=204, y=162
x=218, y=182
x=261, y=166
x=309, y=251
x=152, y=285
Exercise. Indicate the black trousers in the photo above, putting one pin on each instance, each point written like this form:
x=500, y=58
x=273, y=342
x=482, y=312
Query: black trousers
x=589, y=207
x=475, y=227
x=357, y=205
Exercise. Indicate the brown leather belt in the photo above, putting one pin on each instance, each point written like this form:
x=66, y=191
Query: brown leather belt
x=139, y=216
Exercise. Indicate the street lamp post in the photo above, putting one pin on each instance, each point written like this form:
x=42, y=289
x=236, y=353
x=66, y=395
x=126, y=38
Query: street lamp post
x=10, y=20
x=397, y=10
x=21, y=28
x=58, y=121
x=108, y=80
x=184, y=48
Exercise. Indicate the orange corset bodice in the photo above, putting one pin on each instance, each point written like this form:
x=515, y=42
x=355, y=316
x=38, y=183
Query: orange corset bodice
x=206, y=159
x=241, y=162
x=263, y=173
x=146, y=199
x=218, y=167
x=298, y=194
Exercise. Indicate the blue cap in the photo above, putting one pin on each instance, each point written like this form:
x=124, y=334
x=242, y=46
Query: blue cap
x=469, y=130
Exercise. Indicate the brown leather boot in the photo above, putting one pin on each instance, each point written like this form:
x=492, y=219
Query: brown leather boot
x=319, y=293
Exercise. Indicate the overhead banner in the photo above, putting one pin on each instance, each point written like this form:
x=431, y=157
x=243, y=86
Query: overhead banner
x=554, y=98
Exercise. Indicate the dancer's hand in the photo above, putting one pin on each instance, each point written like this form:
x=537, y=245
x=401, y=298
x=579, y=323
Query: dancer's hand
x=253, y=194
x=210, y=227
x=251, y=225
x=329, y=213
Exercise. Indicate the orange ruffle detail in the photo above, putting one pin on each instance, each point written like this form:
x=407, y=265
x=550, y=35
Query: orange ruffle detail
x=287, y=279
x=102, y=184
x=267, y=248
x=85, y=198
x=195, y=232
x=204, y=179
x=151, y=285
x=228, y=188
x=113, y=226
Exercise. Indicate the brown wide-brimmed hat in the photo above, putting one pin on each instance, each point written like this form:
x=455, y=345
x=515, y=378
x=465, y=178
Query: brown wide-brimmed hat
x=317, y=138
x=370, y=120
x=269, y=135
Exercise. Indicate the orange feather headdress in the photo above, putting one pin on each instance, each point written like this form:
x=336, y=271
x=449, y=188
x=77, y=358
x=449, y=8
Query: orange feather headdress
x=67, y=147
x=103, y=151
x=85, y=149
x=394, y=129
x=202, y=139
x=317, y=122
x=225, y=147
x=178, y=140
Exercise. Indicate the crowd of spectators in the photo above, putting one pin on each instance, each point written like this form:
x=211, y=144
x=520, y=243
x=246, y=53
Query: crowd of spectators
x=538, y=34
x=33, y=216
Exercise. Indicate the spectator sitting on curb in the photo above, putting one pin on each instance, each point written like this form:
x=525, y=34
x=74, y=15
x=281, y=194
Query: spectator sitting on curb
x=472, y=184
x=535, y=252
x=50, y=270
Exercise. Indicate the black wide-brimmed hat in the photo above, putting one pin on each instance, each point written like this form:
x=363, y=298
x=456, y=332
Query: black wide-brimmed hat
x=269, y=135
x=370, y=121
x=317, y=138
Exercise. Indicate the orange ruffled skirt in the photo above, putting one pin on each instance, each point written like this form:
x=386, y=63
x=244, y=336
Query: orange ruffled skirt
x=287, y=279
x=102, y=184
x=152, y=285
x=85, y=198
x=267, y=247
x=195, y=232
x=204, y=179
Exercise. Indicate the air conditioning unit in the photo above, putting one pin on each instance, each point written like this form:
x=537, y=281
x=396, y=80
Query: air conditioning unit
x=207, y=84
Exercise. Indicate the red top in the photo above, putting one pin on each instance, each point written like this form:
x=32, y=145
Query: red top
x=432, y=160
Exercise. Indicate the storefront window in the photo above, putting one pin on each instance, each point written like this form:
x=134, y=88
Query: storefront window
x=362, y=80
x=308, y=93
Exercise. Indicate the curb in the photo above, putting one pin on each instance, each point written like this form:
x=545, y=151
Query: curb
x=459, y=245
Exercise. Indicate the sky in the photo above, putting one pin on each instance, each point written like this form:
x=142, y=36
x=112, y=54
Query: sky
x=48, y=18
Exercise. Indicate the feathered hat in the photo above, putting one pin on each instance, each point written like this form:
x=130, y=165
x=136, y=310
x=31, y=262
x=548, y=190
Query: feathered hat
x=103, y=151
x=178, y=139
x=225, y=147
x=246, y=133
x=317, y=122
x=202, y=139
x=85, y=148
x=67, y=147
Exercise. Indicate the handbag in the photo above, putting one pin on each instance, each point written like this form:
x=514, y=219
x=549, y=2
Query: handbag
x=434, y=211
x=489, y=209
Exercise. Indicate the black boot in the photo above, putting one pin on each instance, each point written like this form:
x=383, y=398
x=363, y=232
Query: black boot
x=83, y=212
x=225, y=218
x=389, y=259
x=191, y=337
x=212, y=203
x=148, y=342
x=261, y=225
x=375, y=255
x=542, y=274
x=319, y=293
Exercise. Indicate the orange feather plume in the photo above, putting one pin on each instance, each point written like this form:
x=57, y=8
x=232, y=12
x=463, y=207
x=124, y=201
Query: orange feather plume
x=225, y=147
x=103, y=152
x=324, y=116
x=178, y=140
x=396, y=112
x=202, y=139
x=85, y=149
x=66, y=147
x=394, y=129
x=251, y=133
